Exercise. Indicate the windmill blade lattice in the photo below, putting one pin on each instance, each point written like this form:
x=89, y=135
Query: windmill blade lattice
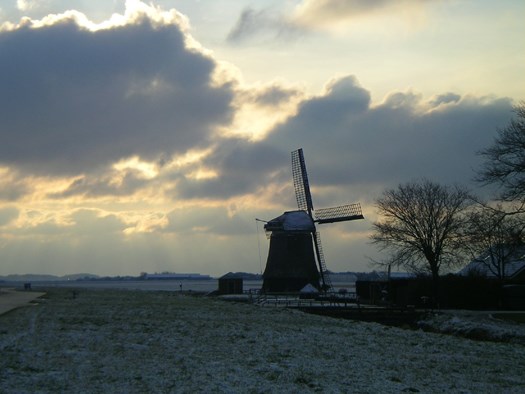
x=325, y=277
x=300, y=182
x=341, y=213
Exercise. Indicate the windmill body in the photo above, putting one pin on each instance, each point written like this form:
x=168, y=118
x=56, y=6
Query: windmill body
x=295, y=258
x=291, y=263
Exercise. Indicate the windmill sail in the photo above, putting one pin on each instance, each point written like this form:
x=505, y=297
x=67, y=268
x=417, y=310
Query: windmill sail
x=327, y=215
x=325, y=277
x=300, y=182
x=339, y=214
x=304, y=202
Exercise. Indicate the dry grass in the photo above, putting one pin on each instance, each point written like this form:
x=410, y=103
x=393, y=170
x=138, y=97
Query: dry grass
x=160, y=342
x=517, y=317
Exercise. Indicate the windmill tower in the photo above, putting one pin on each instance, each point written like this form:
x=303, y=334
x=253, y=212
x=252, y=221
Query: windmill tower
x=295, y=258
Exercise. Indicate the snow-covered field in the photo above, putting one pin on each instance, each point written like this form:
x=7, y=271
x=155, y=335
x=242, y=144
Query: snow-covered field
x=121, y=341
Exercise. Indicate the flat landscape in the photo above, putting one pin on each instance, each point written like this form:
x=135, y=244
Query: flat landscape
x=101, y=341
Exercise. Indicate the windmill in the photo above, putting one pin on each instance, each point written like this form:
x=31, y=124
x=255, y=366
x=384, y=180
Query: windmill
x=295, y=257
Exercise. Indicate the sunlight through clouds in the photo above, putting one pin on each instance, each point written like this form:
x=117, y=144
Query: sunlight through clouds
x=341, y=15
x=145, y=223
x=145, y=169
x=190, y=165
x=260, y=107
x=135, y=12
x=155, y=135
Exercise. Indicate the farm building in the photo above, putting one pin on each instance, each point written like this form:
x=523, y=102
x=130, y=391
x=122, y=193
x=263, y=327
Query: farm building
x=231, y=283
x=499, y=263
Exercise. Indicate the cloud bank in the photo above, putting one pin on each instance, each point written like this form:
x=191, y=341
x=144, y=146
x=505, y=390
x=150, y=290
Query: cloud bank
x=126, y=147
x=75, y=99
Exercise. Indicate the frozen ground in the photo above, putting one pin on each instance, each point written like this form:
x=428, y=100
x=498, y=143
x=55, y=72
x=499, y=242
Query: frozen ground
x=480, y=325
x=123, y=341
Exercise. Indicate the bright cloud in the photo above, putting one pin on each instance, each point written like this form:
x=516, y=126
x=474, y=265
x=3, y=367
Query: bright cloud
x=330, y=14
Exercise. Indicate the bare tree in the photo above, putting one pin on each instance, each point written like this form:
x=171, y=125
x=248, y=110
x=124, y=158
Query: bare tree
x=505, y=160
x=421, y=225
x=494, y=238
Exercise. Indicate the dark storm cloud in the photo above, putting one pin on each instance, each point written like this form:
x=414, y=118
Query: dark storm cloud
x=445, y=99
x=273, y=95
x=344, y=98
x=73, y=99
x=243, y=168
x=351, y=142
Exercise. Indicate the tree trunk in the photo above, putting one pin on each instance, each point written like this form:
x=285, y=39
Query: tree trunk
x=435, y=288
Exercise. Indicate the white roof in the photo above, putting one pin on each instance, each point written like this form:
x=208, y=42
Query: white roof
x=291, y=221
x=309, y=289
x=483, y=265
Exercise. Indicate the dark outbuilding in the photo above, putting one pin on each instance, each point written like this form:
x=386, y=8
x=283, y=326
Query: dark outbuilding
x=231, y=283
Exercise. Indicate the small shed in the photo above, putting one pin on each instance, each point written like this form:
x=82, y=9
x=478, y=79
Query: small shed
x=231, y=283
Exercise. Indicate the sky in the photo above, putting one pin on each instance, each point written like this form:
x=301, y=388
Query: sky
x=147, y=137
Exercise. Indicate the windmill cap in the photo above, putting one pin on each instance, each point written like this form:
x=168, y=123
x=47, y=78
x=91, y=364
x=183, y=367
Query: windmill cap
x=298, y=221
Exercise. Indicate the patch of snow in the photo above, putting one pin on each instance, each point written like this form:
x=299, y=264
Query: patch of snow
x=309, y=289
x=157, y=342
x=475, y=325
x=292, y=221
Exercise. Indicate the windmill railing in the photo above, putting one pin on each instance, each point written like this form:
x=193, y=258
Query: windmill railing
x=295, y=301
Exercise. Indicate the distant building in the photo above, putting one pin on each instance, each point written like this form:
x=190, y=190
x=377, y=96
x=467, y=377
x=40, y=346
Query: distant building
x=173, y=276
x=342, y=277
x=513, y=269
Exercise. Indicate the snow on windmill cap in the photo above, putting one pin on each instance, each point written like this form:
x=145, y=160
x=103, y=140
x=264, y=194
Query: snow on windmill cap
x=291, y=221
